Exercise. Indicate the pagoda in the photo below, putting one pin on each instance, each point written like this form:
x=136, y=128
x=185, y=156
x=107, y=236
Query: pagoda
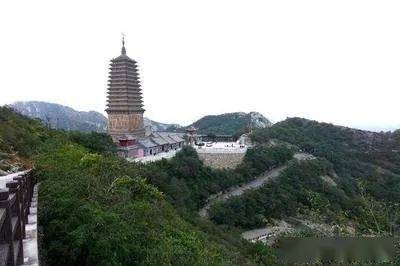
x=124, y=99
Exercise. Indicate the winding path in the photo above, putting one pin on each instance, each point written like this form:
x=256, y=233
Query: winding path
x=259, y=181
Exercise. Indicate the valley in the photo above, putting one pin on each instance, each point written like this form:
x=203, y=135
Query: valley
x=253, y=184
x=237, y=191
x=267, y=235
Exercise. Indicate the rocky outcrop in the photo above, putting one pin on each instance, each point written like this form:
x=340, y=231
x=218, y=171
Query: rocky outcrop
x=258, y=120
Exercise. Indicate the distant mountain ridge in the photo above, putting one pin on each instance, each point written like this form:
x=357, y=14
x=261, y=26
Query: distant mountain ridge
x=64, y=117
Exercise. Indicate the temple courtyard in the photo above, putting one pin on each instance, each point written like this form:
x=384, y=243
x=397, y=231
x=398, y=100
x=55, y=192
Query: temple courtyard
x=216, y=154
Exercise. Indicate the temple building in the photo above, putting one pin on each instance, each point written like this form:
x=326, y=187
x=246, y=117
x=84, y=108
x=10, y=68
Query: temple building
x=124, y=100
x=125, y=113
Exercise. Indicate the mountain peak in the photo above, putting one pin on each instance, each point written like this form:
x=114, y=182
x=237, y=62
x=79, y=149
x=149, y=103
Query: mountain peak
x=62, y=117
x=230, y=123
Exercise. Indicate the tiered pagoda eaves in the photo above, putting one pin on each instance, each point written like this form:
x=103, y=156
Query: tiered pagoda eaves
x=124, y=100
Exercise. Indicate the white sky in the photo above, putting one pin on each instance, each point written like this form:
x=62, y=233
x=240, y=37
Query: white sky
x=333, y=61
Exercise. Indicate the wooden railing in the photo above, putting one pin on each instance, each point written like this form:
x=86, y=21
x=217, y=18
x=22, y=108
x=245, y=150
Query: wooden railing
x=15, y=199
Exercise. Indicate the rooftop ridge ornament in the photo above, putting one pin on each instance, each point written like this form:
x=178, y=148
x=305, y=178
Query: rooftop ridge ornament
x=123, y=50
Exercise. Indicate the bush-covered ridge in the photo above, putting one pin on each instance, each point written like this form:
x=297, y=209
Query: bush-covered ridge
x=97, y=210
x=373, y=158
x=364, y=166
x=24, y=137
x=19, y=134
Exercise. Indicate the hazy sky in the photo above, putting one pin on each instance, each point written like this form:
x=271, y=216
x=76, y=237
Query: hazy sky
x=333, y=61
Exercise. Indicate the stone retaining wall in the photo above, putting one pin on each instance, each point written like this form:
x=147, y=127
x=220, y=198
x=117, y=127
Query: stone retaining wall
x=221, y=160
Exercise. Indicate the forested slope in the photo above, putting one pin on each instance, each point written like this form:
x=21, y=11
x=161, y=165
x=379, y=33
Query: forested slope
x=356, y=179
x=356, y=155
x=98, y=209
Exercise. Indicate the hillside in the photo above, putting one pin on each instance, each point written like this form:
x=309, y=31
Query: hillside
x=230, y=123
x=17, y=136
x=98, y=209
x=64, y=117
x=354, y=182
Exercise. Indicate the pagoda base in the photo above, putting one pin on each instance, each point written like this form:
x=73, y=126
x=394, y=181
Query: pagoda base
x=120, y=125
x=137, y=134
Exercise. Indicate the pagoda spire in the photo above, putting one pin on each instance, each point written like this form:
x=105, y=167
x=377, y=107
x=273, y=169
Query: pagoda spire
x=123, y=50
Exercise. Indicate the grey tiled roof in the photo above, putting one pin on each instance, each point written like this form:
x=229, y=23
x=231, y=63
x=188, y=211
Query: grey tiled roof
x=147, y=143
x=176, y=138
x=166, y=137
x=169, y=137
x=159, y=140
